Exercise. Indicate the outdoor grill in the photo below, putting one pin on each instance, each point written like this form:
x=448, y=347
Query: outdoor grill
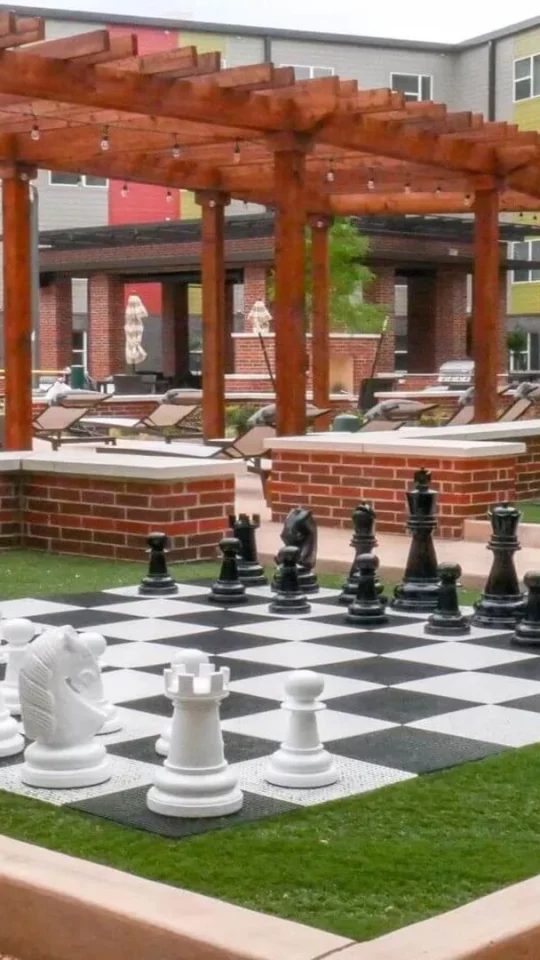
x=456, y=374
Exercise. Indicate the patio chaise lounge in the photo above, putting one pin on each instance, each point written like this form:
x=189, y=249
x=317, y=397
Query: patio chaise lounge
x=63, y=422
x=167, y=420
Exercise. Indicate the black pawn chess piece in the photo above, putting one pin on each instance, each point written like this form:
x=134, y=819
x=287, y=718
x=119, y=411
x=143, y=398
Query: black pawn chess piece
x=363, y=541
x=367, y=608
x=300, y=530
x=157, y=582
x=289, y=597
x=228, y=589
x=418, y=592
x=528, y=629
x=448, y=619
x=250, y=571
x=502, y=603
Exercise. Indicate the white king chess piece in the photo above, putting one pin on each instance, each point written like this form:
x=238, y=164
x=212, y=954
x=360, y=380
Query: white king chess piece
x=97, y=645
x=301, y=760
x=195, y=780
x=17, y=635
x=190, y=659
x=59, y=715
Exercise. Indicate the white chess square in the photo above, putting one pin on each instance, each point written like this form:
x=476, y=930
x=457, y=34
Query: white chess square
x=143, y=629
x=154, y=607
x=301, y=656
x=136, y=726
x=317, y=610
x=139, y=655
x=30, y=607
x=272, y=686
x=120, y=686
x=288, y=629
x=184, y=590
x=332, y=725
x=417, y=630
x=474, y=687
x=125, y=774
x=492, y=724
x=460, y=656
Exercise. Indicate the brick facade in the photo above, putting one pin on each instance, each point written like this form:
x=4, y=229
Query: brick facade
x=55, y=324
x=381, y=292
x=437, y=321
x=255, y=288
x=106, y=326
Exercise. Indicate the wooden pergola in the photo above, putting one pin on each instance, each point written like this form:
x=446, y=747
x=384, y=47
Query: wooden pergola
x=312, y=150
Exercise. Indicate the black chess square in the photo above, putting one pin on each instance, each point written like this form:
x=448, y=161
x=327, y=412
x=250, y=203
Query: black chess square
x=218, y=642
x=217, y=618
x=97, y=598
x=397, y=706
x=524, y=669
x=87, y=619
x=415, y=751
x=384, y=671
x=375, y=641
x=235, y=705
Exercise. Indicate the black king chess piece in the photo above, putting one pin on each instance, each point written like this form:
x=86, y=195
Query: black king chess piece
x=528, y=629
x=448, y=619
x=419, y=589
x=363, y=541
x=502, y=603
x=228, y=589
x=289, y=597
x=157, y=582
x=367, y=608
x=250, y=571
x=300, y=530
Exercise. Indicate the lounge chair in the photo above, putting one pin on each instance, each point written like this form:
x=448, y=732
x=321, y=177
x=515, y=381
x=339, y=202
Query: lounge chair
x=167, y=420
x=63, y=422
x=465, y=415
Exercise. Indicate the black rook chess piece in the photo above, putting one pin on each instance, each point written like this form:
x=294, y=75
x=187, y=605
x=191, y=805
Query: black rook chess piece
x=300, y=530
x=250, y=571
x=289, y=597
x=502, y=603
x=528, y=629
x=157, y=582
x=447, y=619
x=363, y=541
x=367, y=609
x=419, y=589
x=228, y=589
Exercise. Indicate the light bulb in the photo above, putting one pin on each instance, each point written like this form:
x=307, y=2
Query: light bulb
x=34, y=133
x=329, y=176
x=124, y=190
x=371, y=184
x=168, y=196
x=176, y=150
x=236, y=157
x=438, y=192
x=105, y=141
x=407, y=188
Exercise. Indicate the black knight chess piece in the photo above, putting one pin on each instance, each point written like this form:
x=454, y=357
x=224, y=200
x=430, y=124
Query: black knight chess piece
x=502, y=603
x=289, y=597
x=419, y=590
x=528, y=629
x=250, y=571
x=363, y=541
x=300, y=530
x=157, y=582
x=228, y=588
x=448, y=619
x=367, y=608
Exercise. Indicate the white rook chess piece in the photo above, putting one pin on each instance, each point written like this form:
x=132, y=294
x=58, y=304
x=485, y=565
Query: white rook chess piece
x=17, y=634
x=301, y=760
x=195, y=780
x=59, y=716
x=189, y=661
x=97, y=645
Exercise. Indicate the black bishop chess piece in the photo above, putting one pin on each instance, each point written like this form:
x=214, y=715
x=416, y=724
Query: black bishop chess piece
x=367, y=608
x=300, y=530
x=502, y=603
x=289, y=598
x=157, y=582
x=528, y=629
x=418, y=592
x=363, y=541
x=250, y=571
x=448, y=619
x=228, y=589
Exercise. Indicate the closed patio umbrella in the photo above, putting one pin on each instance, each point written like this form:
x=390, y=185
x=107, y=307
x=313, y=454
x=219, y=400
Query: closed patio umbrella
x=136, y=314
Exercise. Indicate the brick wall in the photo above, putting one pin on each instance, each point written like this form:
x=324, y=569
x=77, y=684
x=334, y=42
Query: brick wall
x=381, y=292
x=255, y=283
x=10, y=514
x=55, y=324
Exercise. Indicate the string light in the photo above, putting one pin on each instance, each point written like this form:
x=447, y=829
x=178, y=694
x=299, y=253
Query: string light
x=34, y=133
x=105, y=143
x=371, y=183
x=236, y=156
x=467, y=200
x=438, y=191
x=330, y=175
x=124, y=190
x=168, y=196
x=176, y=150
x=407, y=188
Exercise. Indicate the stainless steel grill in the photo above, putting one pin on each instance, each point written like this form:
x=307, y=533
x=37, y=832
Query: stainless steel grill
x=456, y=374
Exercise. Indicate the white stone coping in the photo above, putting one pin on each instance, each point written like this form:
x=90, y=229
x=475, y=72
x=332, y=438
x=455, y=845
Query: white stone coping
x=426, y=393
x=92, y=464
x=249, y=335
x=480, y=431
x=10, y=462
x=384, y=444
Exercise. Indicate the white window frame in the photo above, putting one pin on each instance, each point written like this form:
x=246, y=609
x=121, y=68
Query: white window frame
x=419, y=78
x=82, y=181
x=83, y=351
x=311, y=67
x=516, y=80
x=530, y=278
x=521, y=353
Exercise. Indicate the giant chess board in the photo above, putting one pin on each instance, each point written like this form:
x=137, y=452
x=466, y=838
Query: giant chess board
x=399, y=702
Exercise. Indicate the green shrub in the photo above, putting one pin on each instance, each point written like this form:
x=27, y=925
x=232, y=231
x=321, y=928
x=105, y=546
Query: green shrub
x=238, y=416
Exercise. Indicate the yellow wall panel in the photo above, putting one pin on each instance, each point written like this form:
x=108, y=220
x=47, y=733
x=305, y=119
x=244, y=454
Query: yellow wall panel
x=527, y=114
x=204, y=42
x=195, y=300
x=527, y=44
x=524, y=298
x=189, y=210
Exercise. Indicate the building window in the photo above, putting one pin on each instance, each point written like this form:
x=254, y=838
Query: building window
x=521, y=361
x=79, y=349
x=58, y=178
x=527, y=78
x=413, y=86
x=309, y=73
x=526, y=250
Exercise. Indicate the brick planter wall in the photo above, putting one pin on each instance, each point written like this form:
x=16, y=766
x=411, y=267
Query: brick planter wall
x=10, y=512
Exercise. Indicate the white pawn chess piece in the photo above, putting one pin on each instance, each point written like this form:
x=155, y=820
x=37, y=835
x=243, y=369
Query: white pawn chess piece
x=11, y=741
x=195, y=780
x=190, y=660
x=58, y=716
x=97, y=645
x=301, y=760
x=17, y=634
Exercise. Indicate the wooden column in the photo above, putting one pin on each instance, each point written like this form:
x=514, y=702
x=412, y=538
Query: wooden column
x=486, y=313
x=16, y=209
x=320, y=323
x=213, y=312
x=289, y=307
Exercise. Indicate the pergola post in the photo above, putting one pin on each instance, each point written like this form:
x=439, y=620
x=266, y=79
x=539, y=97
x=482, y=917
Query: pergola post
x=289, y=306
x=320, y=321
x=213, y=311
x=486, y=311
x=16, y=210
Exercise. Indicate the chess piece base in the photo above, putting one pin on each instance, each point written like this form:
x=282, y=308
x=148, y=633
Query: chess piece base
x=252, y=574
x=11, y=741
x=307, y=581
x=498, y=613
x=448, y=626
x=301, y=768
x=526, y=633
x=213, y=792
x=227, y=593
x=158, y=587
x=11, y=699
x=416, y=597
x=83, y=765
x=365, y=616
x=289, y=604
x=113, y=723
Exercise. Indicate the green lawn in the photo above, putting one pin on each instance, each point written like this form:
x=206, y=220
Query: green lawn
x=530, y=511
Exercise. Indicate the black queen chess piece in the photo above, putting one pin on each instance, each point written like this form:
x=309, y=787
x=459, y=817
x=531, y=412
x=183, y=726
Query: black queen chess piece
x=528, y=630
x=502, y=603
x=300, y=530
x=289, y=598
x=157, y=582
x=419, y=590
x=448, y=620
x=363, y=541
x=228, y=589
x=250, y=571
x=367, y=608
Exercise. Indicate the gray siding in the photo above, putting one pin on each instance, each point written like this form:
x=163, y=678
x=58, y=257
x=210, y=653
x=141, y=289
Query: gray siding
x=504, y=65
x=62, y=207
x=241, y=51
x=469, y=89
x=57, y=29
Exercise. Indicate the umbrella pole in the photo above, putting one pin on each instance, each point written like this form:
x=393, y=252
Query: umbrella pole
x=267, y=361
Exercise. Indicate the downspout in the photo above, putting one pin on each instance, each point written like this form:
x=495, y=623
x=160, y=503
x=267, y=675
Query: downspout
x=492, y=81
x=267, y=49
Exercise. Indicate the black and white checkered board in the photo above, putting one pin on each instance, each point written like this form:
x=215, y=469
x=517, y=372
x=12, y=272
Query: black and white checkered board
x=399, y=702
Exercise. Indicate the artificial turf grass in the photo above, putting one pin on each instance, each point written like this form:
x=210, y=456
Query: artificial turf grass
x=358, y=867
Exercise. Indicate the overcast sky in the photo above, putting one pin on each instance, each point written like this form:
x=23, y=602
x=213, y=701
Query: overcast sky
x=420, y=20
